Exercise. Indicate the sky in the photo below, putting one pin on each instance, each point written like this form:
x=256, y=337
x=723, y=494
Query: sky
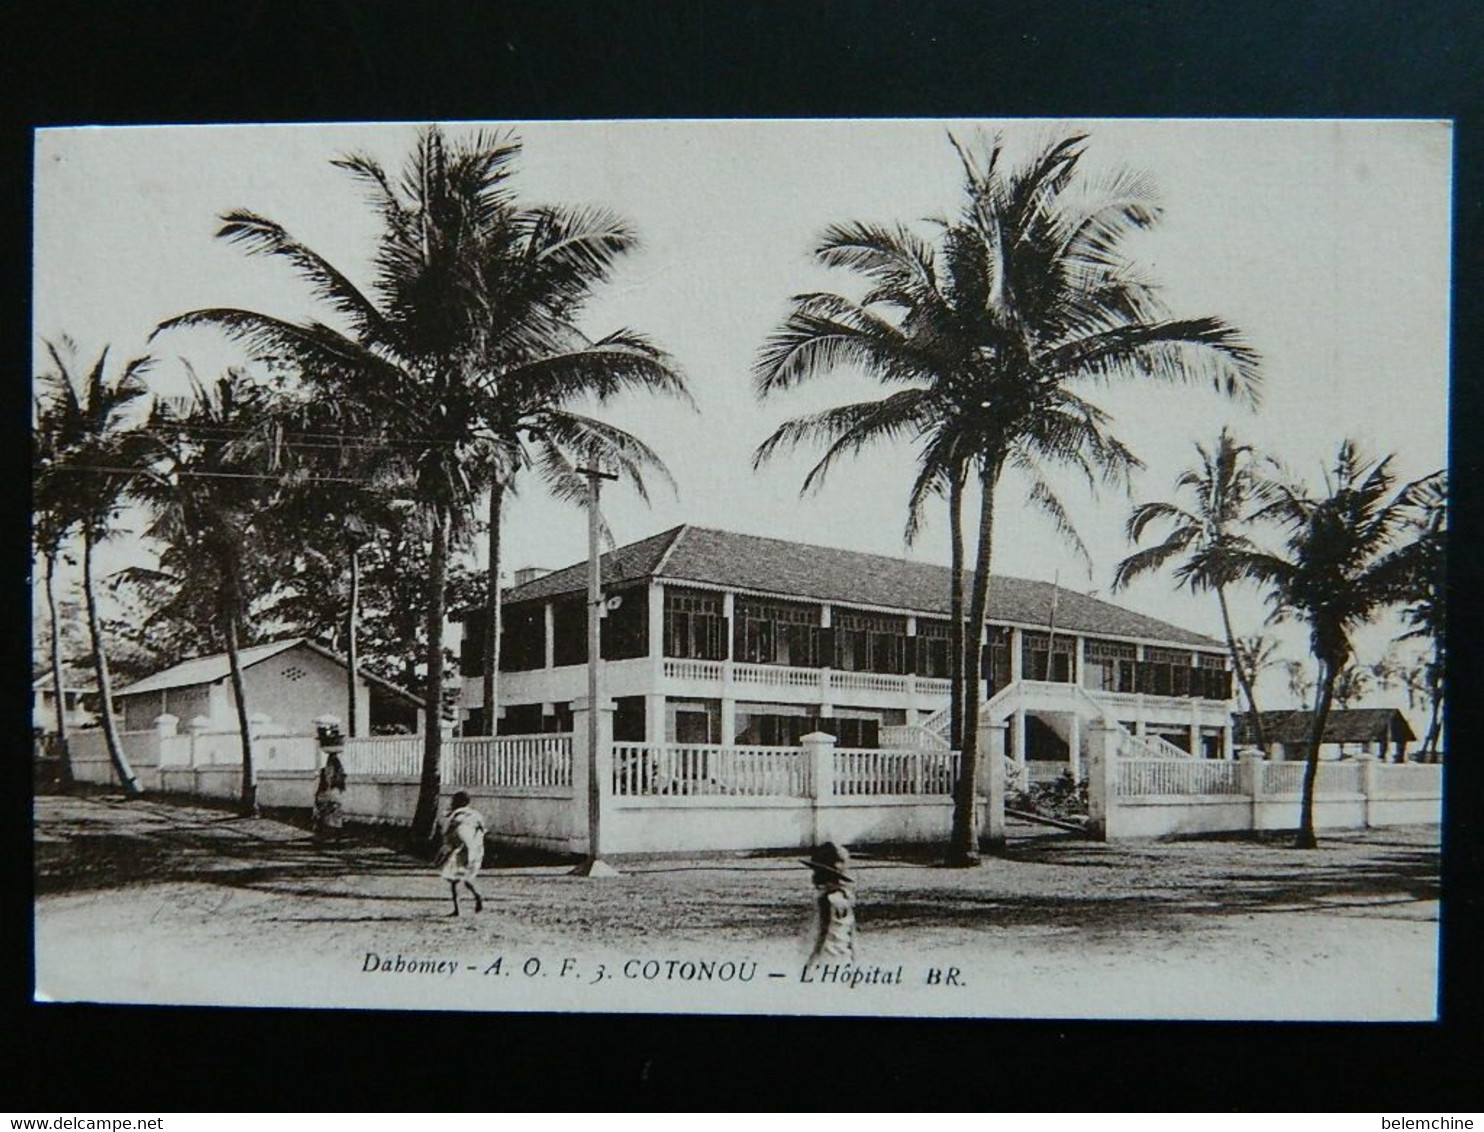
x=1326, y=243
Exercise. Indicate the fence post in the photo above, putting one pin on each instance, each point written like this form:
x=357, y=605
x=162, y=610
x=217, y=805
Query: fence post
x=1249, y=771
x=992, y=784
x=819, y=753
x=583, y=721
x=1102, y=778
x=1369, y=768
x=199, y=726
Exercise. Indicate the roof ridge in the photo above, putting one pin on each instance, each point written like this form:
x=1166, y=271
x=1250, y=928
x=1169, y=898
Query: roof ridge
x=659, y=565
x=886, y=557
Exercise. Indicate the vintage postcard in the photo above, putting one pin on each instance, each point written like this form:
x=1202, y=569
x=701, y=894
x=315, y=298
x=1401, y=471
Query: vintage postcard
x=902, y=567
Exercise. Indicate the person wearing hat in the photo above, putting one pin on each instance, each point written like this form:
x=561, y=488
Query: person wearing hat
x=463, y=849
x=835, y=940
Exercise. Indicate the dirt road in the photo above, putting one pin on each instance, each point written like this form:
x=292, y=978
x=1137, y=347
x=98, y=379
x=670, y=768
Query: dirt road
x=158, y=901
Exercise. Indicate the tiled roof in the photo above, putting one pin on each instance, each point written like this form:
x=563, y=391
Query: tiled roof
x=1343, y=725
x=210, y=669
x=789, y=569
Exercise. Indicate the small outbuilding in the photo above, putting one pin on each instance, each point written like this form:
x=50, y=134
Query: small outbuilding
x=293, y=682
x=1383, y=732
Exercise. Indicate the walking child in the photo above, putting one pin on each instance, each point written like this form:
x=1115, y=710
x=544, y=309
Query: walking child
x=835, y=940
x=463, y=850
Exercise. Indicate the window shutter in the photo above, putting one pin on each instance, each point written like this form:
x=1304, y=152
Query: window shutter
x=471, y=649
x=824, y=647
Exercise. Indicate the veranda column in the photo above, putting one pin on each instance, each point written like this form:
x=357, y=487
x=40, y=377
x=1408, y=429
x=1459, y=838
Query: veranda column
x=1138, y=695
x=654, y=698
x=548, y=621
x=1074, y=747
x=1021, y=757
x=728, y=673
x=826, y=672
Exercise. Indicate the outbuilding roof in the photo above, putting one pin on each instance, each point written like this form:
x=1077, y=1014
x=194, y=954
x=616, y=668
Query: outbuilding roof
x=210, y=669
x=729, y=560
x=1343, y=725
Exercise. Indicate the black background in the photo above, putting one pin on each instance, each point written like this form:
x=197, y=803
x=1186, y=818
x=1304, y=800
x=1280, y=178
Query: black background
x=108, y=62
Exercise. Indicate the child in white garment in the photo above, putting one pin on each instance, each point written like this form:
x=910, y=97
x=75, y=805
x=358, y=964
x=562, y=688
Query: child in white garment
x=463, y=850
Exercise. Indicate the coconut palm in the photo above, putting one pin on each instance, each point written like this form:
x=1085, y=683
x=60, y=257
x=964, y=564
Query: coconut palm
x=991, y=331
x=208, y=492
x=1203, y=531
x=85, y=422
x=1345, y=561
x=471, y=309
x=1426, y=608
x=48, y=534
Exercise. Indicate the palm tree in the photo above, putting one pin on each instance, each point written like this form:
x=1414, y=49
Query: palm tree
x=207, y=495
x=1427, y=605
x=990, y=329
x=1345, y=561
x=472, y=294
x=1202, y=536
x=48, y=533
x=1300, y=686
x=86, y=424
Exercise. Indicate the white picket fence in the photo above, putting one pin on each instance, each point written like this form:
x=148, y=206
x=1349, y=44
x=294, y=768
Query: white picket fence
x=505, y=760
x=698, y=769
x=872, y=773
x=1137, y=777
x=509, y=760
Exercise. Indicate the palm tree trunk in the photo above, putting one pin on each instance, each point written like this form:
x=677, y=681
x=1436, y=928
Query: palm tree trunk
x=352, y=650
x=492, y=612
x=58, y=689
x=425, y=817
x=963, y=848
x=116, y=753
x=1435, y=707
x=1328, y=673
x=956, y=614
x=1243, y=677
x=249, y=800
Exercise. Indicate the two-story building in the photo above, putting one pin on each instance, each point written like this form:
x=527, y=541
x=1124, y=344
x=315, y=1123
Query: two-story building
x=714, y=637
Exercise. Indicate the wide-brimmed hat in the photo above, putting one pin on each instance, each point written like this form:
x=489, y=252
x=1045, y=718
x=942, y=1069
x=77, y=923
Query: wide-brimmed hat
x=830, y=858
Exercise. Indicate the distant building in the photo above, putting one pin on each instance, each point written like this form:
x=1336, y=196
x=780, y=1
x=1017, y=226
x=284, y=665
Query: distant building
x=716, y=637
x=79, y=702
x=1381, y=732
x=293, y=682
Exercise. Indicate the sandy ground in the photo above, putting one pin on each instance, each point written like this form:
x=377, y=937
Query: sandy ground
x=167, y=902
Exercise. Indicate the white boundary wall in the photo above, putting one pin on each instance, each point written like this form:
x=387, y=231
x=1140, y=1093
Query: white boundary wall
x=1163, y=797
x=533, y=790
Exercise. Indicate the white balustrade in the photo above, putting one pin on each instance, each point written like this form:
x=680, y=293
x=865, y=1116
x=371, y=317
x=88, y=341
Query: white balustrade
x=1138, y=777
x=776, y=675
x=705, y=670
x=913, y=735
x=863, y=772
x=700, y=769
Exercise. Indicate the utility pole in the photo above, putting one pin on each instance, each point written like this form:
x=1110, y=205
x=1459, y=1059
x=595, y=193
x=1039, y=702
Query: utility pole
x=594, y=865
